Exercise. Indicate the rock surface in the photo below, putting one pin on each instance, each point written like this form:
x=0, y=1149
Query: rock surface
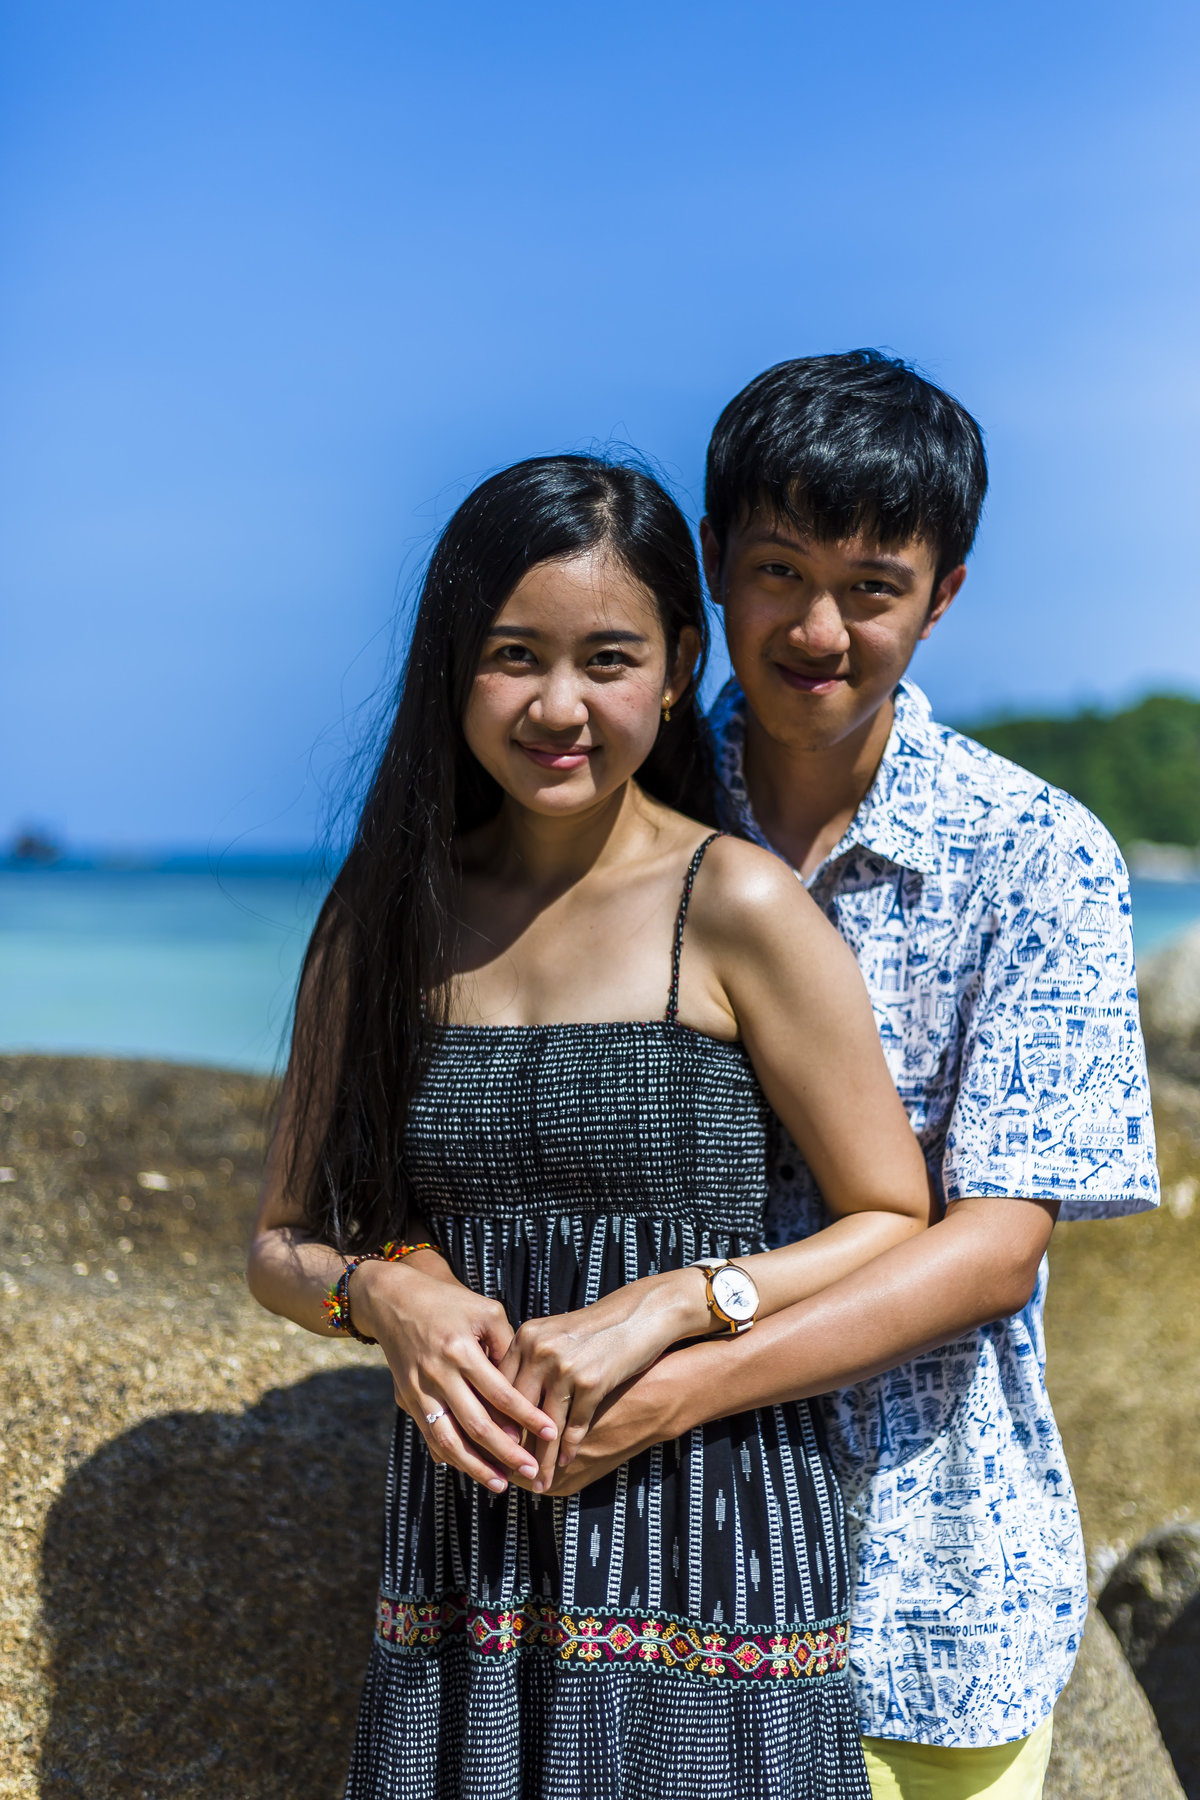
x=1152, y=1602
x=1106, y=1742
x=191, y=1490
x=1169, y=992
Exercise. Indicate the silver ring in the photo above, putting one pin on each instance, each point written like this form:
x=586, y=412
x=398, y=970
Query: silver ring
x=433, y=1417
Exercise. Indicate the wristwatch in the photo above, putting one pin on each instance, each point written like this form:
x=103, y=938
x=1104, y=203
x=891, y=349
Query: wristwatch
x=732, y=1295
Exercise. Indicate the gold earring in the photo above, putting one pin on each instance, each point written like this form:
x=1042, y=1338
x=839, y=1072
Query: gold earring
x=666, y=709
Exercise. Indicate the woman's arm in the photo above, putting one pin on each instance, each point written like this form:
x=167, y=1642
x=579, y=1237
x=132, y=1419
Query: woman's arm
x=791, y=986
x=442, y=1341
x=804, y=1015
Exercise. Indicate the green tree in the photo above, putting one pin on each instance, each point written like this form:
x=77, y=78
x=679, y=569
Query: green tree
x=1137, y=770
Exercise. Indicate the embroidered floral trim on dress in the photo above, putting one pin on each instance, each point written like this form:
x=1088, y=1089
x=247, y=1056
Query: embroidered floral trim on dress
x=581, y=1639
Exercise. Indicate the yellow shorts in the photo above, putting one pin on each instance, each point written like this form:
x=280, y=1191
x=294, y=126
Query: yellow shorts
x=902, y=1771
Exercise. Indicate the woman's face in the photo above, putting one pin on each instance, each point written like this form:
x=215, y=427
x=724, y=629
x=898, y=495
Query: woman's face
x=567, y=698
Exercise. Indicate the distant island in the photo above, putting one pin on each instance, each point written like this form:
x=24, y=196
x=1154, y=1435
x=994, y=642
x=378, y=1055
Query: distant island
x=1138, y=770
x=31, y=846
x=31, y=849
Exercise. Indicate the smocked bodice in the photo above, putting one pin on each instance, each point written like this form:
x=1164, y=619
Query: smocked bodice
x=643, y=1119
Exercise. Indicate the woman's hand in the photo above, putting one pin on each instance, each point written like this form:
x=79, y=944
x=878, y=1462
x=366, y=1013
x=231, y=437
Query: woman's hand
x=443, y=1343
x=569, y=1363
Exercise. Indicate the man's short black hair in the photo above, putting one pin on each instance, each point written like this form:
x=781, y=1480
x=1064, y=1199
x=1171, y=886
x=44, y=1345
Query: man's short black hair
x=838, y=445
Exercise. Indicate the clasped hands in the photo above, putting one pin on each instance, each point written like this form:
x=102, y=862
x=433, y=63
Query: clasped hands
x=533, y=1407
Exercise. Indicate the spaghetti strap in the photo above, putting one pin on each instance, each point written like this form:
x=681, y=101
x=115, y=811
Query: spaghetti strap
x=672, y=1013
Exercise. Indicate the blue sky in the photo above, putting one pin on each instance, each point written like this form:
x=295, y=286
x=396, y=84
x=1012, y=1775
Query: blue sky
x=283, y=280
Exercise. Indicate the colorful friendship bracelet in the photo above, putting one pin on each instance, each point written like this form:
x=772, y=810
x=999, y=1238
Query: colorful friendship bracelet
x=337, y=1300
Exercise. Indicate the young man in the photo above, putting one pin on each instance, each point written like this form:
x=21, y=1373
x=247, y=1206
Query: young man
x=990, y=916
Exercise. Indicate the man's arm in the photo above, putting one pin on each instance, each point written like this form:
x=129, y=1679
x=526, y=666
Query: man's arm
x=977, y=1264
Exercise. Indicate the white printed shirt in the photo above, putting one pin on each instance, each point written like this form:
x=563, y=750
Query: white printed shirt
x=990, y=916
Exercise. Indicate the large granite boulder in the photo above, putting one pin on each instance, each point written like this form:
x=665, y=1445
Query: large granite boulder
x=1152, y=1602
x=191, y=1490
x=1169, y=992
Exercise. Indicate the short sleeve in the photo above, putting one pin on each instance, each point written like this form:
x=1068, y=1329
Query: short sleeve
x=1054, y=1100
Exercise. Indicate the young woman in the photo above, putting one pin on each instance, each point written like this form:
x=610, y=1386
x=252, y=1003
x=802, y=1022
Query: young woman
x=543, y=1019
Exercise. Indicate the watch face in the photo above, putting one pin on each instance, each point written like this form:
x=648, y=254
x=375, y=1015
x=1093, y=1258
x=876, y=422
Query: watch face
x=735, y=1293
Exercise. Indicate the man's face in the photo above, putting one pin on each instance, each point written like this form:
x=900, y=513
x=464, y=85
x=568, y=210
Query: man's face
x=820, y=633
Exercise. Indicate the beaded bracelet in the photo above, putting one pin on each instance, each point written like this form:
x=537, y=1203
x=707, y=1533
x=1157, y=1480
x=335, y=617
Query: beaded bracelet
x=337, y=1300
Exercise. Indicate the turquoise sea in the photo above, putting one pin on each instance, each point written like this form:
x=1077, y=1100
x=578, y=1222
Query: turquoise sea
x=194, y=966
x=176, y=963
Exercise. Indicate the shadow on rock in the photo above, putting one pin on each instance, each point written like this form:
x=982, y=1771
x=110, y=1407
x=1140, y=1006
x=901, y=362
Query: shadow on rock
x=208, y=1583
x=1152, y=1602
x=1106, y=1743
x=1171, y=1678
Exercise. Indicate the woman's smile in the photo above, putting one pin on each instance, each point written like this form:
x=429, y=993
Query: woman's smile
x=550, y=756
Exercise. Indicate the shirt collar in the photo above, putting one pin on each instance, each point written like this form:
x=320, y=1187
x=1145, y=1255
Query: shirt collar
x=897, y=814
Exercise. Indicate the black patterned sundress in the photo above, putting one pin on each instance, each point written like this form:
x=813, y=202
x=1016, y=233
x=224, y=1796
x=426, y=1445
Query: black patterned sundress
x=678, y=1630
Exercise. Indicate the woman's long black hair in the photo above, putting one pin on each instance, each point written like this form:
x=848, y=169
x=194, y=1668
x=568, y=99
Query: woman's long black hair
x=379, y=953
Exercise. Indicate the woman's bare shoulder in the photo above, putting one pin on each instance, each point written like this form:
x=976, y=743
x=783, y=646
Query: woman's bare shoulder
x=750, y=896
x=742, y=874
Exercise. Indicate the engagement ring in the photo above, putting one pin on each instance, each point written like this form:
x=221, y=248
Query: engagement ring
x=433, y=1417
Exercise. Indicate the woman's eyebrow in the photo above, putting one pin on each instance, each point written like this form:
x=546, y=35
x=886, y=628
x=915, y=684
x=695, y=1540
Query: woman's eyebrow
x=592, y=637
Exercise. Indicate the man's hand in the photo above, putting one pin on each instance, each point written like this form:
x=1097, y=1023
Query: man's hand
x=632, y=1418
x=570, y=1363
